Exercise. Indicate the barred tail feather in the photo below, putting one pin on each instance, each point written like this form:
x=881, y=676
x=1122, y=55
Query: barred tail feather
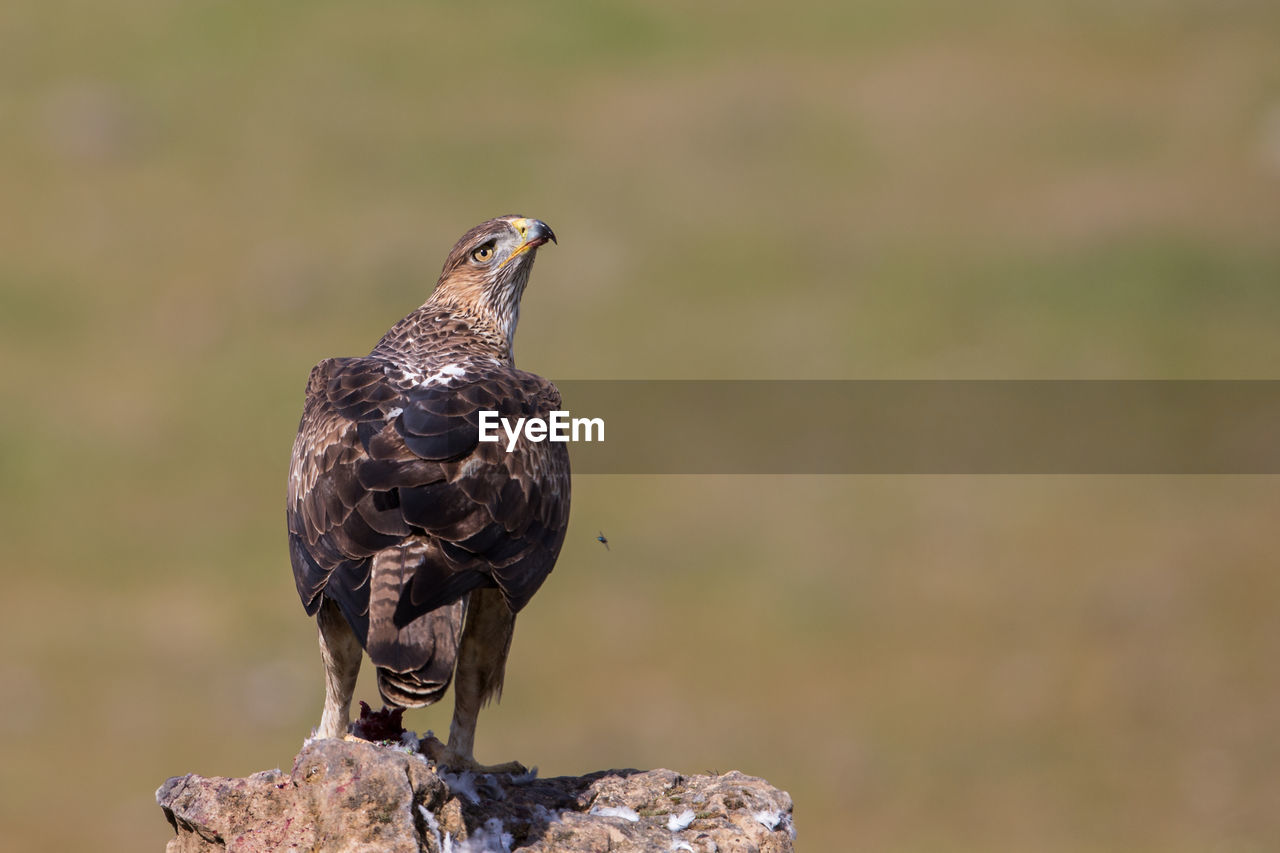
x=414, y=663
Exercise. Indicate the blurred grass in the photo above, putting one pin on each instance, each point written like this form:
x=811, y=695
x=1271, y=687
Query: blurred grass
x=201, y=200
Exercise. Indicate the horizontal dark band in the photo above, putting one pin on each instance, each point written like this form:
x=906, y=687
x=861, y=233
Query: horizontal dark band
x=928, y=426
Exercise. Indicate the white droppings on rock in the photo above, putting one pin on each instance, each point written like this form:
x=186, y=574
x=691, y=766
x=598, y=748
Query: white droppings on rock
x=775, y=821
x=463, y=783
x=616, y=811
x=432, y=824
x=490, y=838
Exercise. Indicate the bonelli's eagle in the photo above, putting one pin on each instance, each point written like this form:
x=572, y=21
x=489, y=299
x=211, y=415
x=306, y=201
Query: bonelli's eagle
x=409, y=537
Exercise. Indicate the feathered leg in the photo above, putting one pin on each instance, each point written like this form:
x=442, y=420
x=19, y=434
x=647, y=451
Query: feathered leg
x=482, y=661
x=341, y=653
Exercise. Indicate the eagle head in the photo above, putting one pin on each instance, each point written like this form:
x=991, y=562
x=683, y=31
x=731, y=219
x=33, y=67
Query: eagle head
x=488, y=268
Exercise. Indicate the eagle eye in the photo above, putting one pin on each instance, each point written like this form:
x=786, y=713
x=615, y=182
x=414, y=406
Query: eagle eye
x=484, y=254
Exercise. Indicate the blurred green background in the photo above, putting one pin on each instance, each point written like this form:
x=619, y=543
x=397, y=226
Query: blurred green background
x=200, y=200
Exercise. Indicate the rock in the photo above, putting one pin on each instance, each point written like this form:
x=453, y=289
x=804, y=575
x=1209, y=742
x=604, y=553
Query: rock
x=352, y=795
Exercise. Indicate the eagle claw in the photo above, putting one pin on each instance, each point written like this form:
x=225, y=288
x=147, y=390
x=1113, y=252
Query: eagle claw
x=447, y=759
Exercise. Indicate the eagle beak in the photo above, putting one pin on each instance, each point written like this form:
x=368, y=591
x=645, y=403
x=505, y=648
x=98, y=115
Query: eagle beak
x=533, y=233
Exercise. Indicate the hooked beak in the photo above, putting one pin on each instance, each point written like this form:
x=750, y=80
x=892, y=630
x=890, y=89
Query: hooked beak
x=533, y=233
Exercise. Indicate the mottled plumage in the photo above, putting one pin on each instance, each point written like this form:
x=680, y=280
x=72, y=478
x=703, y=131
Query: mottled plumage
x=401, y=522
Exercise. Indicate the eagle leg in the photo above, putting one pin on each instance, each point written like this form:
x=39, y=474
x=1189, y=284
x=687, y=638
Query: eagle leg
x=341, y=652
x=482, y=661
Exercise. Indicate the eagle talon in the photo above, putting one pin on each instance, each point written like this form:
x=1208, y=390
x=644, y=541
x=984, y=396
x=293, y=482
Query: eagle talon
x=447, y=759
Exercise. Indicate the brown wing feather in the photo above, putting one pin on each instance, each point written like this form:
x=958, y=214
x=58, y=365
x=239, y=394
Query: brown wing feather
x=500, y=517
x=383, y=464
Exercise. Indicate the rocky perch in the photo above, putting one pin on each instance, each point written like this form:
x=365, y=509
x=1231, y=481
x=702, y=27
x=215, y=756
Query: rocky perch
x=353, y=795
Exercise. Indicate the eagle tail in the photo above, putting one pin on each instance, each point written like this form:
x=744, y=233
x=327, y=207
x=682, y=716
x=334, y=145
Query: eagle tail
x=415, y=662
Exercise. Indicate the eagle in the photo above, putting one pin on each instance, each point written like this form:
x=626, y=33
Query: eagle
x=412, y=540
